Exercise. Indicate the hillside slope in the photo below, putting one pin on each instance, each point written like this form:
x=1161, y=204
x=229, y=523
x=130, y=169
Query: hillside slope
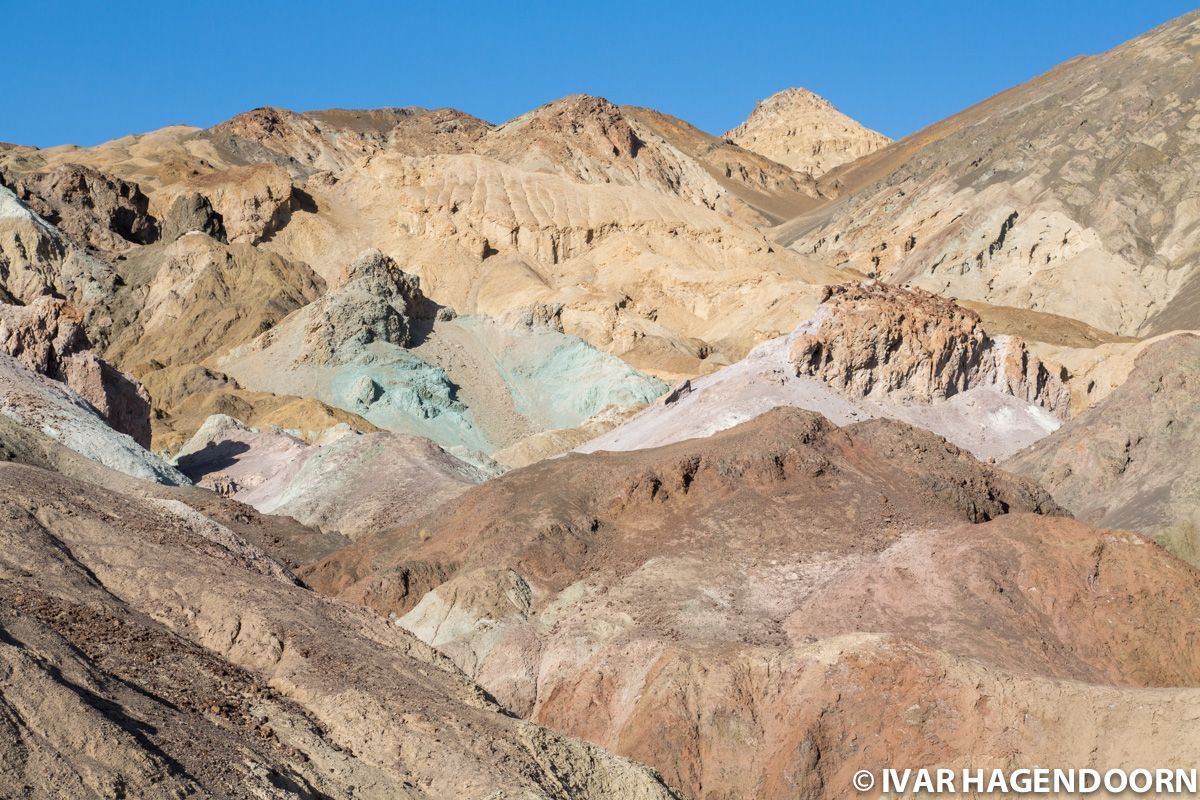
x=1071, y=194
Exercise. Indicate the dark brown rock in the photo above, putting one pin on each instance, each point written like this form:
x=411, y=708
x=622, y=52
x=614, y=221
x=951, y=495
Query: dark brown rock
x=97, y=209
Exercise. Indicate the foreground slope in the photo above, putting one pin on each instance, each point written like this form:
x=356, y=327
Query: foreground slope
x=761, y=613
x=150, y=650
x=1070, y=194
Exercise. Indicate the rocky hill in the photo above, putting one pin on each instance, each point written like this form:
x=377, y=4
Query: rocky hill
x=149, y=649
x=1129, y=462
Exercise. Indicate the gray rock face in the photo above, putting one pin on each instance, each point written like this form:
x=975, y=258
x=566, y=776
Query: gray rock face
x=1130, y=461
x=375, y=302
x=41, y=404
x=193, y=212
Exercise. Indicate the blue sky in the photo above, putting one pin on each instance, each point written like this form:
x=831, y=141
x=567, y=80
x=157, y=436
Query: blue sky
x=85, y=72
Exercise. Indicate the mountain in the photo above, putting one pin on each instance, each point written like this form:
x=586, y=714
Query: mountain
x=1070, y=194
x=626, y=228
x=803, y=131
x=397, y=453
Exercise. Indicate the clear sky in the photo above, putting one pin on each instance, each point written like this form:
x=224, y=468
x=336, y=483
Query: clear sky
x=84, y=72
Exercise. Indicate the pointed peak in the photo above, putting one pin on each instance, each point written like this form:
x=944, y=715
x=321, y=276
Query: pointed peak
x=796, y=96
x=802, y=130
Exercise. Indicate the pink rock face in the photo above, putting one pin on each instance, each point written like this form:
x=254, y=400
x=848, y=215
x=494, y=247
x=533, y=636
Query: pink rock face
x=41, y=334
x=119, y=398
x=48, y=337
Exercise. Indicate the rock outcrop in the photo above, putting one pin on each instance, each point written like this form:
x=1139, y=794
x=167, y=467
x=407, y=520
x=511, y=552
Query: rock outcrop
x=332, y=140
x=872, y=339
x=52, y=408
x=36, y=260
x=805, y=132
x=99, y=210
x=190, y=212
x=871, y=350
x=373, y=301
x=48, y=337
x=253, y=202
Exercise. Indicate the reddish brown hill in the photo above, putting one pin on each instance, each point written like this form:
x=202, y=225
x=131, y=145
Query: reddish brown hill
x=762, y=612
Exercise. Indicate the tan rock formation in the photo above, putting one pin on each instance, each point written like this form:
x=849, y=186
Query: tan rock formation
x=202, y=296
x=254, y=201
x=760, y=191
x=641, y=260
x=590, y=140
x=804, y=131
x=663, y=283
x=335, y=139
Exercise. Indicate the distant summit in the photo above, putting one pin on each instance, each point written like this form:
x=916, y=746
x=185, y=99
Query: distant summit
x=804, y=131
